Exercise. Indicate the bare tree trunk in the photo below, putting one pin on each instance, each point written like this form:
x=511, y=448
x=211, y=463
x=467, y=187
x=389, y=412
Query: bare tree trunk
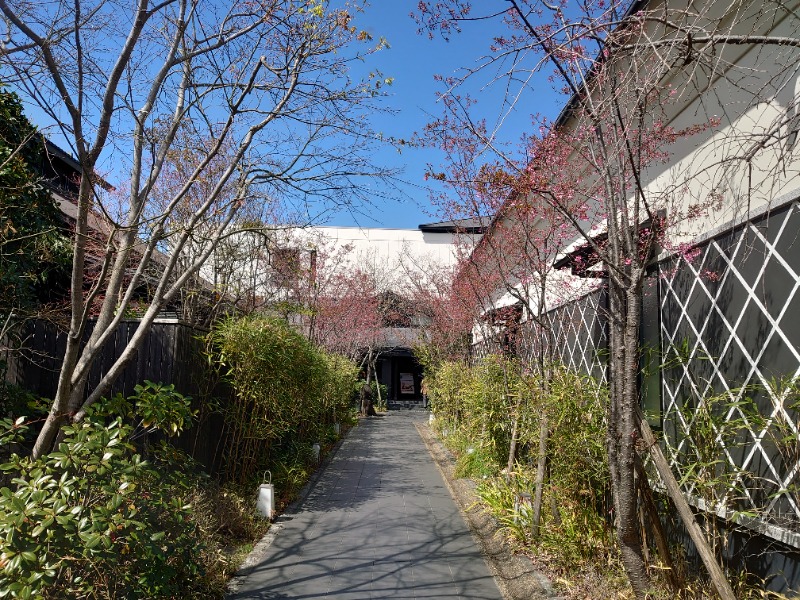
x=59, y=411
x=377, y=383
x=512, y=449
x=622, y=431
x=52, y=425
x=546, y=371
x=541, y=465
x=367, y=408
x=68, y=395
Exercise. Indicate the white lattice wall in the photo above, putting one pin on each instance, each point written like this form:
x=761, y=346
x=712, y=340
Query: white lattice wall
x=733, y=313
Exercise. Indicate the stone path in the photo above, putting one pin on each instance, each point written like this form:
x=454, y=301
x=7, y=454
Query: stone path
x=379, y=523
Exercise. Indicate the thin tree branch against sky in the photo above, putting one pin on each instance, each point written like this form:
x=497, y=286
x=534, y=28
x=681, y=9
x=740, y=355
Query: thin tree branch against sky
x=193, y=127
x=417, y=66
x=420, y=66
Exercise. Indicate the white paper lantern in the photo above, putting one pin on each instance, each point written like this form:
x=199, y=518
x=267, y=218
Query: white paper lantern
x=266, y=497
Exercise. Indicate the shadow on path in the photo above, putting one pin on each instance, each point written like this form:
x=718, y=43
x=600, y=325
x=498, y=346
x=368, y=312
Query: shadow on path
x=379, y=523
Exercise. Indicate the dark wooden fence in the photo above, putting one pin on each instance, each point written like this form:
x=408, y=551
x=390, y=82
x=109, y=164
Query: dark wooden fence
x=171, y=353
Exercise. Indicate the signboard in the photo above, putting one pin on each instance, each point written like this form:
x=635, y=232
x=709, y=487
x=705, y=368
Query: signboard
x=407, y=383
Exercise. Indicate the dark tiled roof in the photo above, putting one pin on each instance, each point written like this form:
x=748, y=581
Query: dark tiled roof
x=474, y=225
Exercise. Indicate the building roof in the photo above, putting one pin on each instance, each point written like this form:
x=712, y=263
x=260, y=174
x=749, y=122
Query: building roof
x=59, y=152
x=472, y=225
x=55, y=152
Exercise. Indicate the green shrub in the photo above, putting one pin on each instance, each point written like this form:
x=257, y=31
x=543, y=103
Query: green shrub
x=94, y=520
x=16, y=400
x=575, y=405
x=474, y=404
x=286, y=391
x=474, y=410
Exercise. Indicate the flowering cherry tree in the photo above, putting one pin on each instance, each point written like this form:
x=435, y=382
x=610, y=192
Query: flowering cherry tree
x=610, y=169
x=346, y=315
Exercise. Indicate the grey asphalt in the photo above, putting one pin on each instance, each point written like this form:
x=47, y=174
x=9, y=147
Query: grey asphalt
x=379, y=523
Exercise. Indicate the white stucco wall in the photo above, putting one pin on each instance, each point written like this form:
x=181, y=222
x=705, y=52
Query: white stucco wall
x=751, y=89
x=386, y=246
x=393, y=255
x=398, y=259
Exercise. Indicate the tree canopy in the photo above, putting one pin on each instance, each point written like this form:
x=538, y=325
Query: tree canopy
x=201, y=110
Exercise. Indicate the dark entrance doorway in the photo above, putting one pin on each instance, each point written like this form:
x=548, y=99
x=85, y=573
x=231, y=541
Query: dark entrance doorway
x=400, y=372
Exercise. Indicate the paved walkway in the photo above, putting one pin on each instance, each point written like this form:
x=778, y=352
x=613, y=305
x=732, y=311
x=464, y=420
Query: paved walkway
x=380, y=523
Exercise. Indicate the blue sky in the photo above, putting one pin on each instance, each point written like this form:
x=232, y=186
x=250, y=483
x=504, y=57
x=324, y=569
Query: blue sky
x=413, y=60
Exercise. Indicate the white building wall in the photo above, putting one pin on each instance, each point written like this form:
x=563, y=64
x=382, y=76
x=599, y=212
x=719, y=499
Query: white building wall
x=387, y=245
x=752, y=92
x=392, y=254
x=397, y=259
